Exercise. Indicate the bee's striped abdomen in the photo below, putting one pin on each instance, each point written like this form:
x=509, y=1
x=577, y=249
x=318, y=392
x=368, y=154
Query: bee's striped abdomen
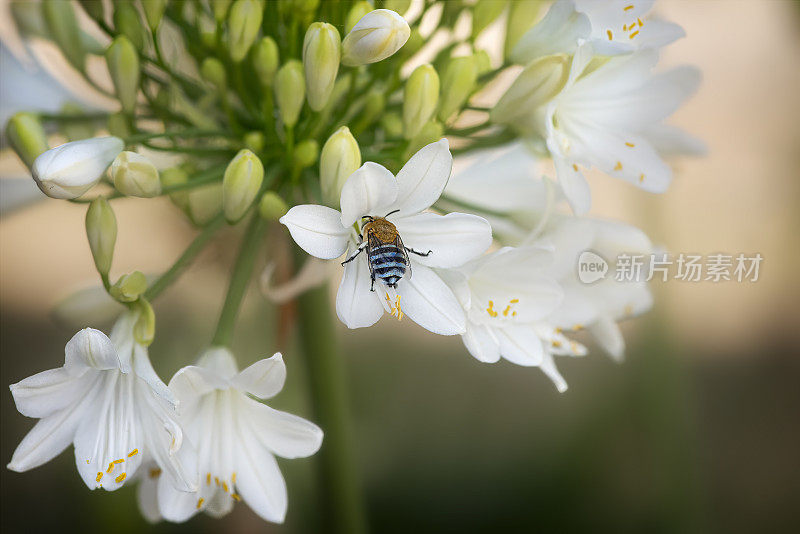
x=388, y=262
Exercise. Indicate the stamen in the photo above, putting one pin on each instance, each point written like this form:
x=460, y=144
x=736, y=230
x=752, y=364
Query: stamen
x=610, y=35
x=618, y=166
x=236, y=497
x=134, y=452
x=627, y=8
x=87, y=462
x=641, y=177
x=225, y=487
x=99, y=476
x=513, y=314
x=233, y=477
x=110, y=467
x=634, y=34
x=508, y=309
x=558, y=331
x=490, y=309
x=208, y=479
x=630, y=144
x=556, y=343
x=575, y=167
x=216, y=481
x=155, y=473
x=640, y=23
x=577, y=327
x=118, y=461
x=121, y=477
x=200, y=502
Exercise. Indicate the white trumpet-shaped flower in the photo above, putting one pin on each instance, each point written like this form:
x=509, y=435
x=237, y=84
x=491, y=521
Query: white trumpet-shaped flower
x=237, y=439
x=452, y=240
x=376, y=36
x=69, y=170
x=109, y=403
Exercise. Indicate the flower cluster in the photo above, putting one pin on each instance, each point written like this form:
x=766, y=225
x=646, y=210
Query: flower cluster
x=342, y=121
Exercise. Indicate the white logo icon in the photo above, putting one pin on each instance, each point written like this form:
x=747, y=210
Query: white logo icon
x=591, y=267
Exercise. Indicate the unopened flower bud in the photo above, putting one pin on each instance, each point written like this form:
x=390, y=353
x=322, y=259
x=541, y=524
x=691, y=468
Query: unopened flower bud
x=213, y=71
x=69, y=170
x=220, y=8
x=484, y=13
x=290, y=91
x=430, y=133
x=241, y=184
x=244, y=21
x=135, y=176
x=153, y=11
x=26, y=136
x=374, y=104
x=272, y=207
x=321, y=54
x=129, y=287
x=128, y=23
x=340, y=158
x=266, y=60
x=76, y=129
x=172, y=177
x=306, y=153
x=483, y=63
x=101, y=230
x=205, y=202
x=64, y=31
x=144, y=330
x=123, y=66
x=355, y=14
x=458, y=82
x=537, y=84
x=521, y=16
x=393, y=124
x=376, y=36
x=254, y=141
x=420, y=99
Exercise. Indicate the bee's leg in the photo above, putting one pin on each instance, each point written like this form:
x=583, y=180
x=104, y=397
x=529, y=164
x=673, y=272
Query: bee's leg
x=357, y=252
x=418, y=253
x=372, y=284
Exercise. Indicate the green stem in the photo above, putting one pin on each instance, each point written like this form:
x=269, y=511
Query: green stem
x=343, y=506
x=194, y=248
x=240, y=279
x=187, y=134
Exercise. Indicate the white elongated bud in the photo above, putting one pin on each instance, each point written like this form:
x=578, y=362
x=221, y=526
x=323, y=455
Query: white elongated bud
x=378, y=35
x=69, y=170
x=290, y=91
x=420, y=99
x=123, y=66
x=340, y=158
x=458, y=82
x=321, y=54
x=241, y=183
x=101, y=230
x=535, y=86
x=244, y=21
x=266, y=60
x=135, y=176
x=204, y=203
x=26, y=136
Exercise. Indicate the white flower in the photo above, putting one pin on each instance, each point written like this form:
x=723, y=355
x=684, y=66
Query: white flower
x=237, y=439
x=609, y=117
x=372, y=190
x=613, y=26
x=109, y=403
x=378, y=35
x=69, y=170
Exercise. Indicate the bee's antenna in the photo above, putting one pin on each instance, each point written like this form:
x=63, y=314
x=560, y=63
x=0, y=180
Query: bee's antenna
x=391, y=212
x=370, y=217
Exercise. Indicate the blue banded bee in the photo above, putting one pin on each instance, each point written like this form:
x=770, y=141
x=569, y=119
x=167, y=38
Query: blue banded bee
x=386, y=254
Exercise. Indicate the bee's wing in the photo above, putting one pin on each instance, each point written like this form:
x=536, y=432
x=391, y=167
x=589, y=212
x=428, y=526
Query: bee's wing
x=399, y=243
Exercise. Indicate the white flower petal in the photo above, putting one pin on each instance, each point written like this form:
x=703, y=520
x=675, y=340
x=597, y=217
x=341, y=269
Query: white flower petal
x=175, y=505
x=219, y=504
x=481, y=343
x=428, y=301
x=46, y=440
x=193, y=381
x=318, y=230
x=423, y=178
x=574, y=185
x=548, y=367
x=44, y=393
x=286, y=435
x=520, y=345
x=356, y=305
x=452, y=239
x=147, y=496
x=164, y=441
x=608, y=335
x=558, y=32
x=259, y=479
x=264, y=379
x=368, y=191
x=90, y=348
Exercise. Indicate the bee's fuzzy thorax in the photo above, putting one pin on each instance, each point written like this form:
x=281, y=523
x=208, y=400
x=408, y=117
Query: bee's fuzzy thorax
x=382, y=229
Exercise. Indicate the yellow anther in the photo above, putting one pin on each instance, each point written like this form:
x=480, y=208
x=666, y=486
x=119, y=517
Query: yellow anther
x=208, y=479
x=134, y=452
x=490, y=309
x=618, y=166
x=87, y=462
x=233, y=477
x=121, y=477
x=200, y=502
x=513, y=301
x=154, y=473
x=99, y=476
x=578, y=326
x=508, y=309
x=634, y=34
x=118, y=461
x=630, y=144
x=513, y=314
x=225, y=487
x=236, y=497
x=558, y=331
x=641, y=177
x=216, y=481
x=627, y=8
x=575, y=167
x=110, y=467
x=610, y=35
x=556, y=343
x=640, y=23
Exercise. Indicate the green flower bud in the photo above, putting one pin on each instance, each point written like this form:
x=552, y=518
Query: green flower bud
x=374, y=104
x=29, y=18
x=272, y=207
x=135, y=176
x=376, y=36
x=306, y=153
x=75, y=130
x=254, y=141
x=117, y=125
x=355, y=14
x=393, y=124
x=244, y=21
x=536, y=85
x=266, y=60
x=205, y=202
x=241, y=184
x=321, y=54
x=101, y=230
x=484, y=13
x=213, y=71
x=430, y=133
x=123, y=66
x=290, y=91
x=64, y=31
x=144, y=330
x=94, y=8
x=458, y=82
x=208, y=38
x=420, y=99
x=220, y=8
x=153, y=11
x=304, y=7
x=399, y=6
x=521, y=16
x=26, y=136
x=340, y=158
x=128, y=23
x=129, y=287
x=172, y=177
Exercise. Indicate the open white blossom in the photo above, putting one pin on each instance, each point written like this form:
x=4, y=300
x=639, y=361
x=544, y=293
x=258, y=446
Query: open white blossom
x=372, y=190
x=109, y=403
x=237, y=439
x=69, y=170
